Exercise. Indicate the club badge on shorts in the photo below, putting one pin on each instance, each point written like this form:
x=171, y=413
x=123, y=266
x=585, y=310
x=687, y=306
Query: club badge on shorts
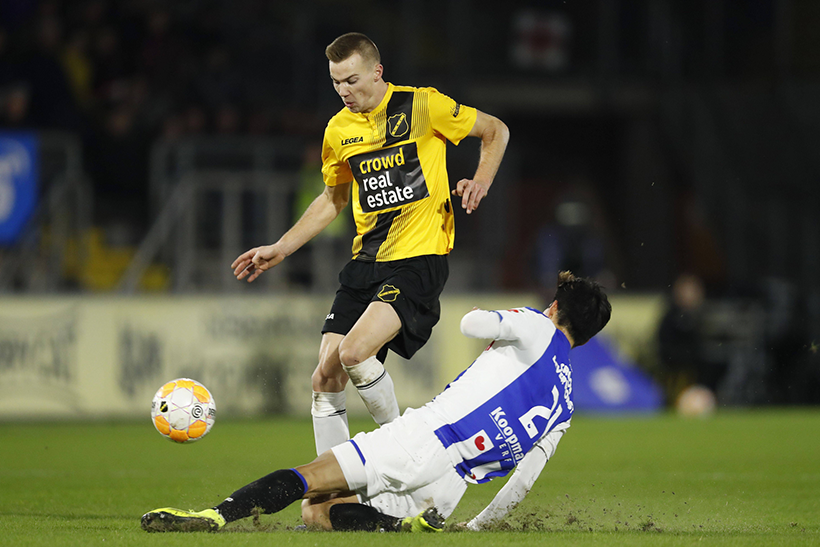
x=388, y=293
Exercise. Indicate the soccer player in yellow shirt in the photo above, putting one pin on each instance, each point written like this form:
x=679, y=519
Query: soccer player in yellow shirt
x=387, y=149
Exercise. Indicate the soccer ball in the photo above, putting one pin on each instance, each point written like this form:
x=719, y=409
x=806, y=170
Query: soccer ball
x=183, y=410
x=696, y=401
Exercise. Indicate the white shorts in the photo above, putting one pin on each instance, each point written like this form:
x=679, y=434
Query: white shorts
x=401, y=468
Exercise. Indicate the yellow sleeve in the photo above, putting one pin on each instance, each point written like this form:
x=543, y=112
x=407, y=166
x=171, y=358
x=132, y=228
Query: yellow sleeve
x=334, y=170
x=452, y=120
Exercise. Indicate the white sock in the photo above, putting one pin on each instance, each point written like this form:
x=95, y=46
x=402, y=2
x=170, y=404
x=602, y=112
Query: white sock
x=329, y=420
x=376, y=389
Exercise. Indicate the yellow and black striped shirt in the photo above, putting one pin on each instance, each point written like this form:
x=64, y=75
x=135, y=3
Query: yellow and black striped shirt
x=395, y=155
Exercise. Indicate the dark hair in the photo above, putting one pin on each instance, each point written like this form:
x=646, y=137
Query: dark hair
x=353, y=42
x=583, y=308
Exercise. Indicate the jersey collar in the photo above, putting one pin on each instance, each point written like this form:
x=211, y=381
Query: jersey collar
x=383, y=104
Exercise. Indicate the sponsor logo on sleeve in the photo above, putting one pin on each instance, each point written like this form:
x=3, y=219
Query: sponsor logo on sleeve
x=352, y=140
x=565, y=377
x=455, y=110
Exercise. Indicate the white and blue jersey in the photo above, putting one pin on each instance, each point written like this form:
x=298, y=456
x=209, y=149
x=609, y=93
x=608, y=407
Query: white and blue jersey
x=488, y=426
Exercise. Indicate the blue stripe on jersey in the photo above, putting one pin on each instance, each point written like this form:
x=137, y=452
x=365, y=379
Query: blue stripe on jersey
x=516, y=417
x=356, y=446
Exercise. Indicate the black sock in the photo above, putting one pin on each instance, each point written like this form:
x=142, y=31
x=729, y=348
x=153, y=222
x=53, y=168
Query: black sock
x=271, y=493
x=351, y=517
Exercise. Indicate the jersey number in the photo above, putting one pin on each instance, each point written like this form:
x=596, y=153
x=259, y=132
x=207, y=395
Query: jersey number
x=550, y=414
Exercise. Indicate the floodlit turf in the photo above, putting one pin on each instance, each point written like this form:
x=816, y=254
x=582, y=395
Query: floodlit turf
x=740, y=478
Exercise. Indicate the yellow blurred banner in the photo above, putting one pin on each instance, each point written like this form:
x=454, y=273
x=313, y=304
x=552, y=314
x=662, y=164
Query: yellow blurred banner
x=106, y=357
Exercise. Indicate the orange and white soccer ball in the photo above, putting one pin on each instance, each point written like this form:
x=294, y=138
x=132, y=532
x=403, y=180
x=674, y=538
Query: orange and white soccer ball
x=183, y=410
x=696, y=401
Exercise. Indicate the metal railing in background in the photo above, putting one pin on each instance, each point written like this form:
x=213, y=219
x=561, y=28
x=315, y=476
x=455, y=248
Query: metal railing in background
x=213, y=198
x=201, y=263
x=171, y=160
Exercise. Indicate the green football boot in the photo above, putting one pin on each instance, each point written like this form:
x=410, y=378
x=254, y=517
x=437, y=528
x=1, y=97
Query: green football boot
x=169, y=519
x=428, y=520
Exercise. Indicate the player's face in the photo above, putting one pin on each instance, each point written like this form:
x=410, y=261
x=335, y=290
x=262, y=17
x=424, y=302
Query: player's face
x=356, y=82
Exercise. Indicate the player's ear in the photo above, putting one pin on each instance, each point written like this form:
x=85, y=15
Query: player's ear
x=378, y=72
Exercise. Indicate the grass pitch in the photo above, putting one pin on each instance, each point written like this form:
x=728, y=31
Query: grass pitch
x=739, y=478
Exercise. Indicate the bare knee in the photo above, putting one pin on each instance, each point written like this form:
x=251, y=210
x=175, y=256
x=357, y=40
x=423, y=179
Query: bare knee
x=352, y=352
x=328, y=378
x=316, y=515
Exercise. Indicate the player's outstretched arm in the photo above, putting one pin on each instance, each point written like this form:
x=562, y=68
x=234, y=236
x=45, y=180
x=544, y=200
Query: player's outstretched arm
x=497, y=325
x=519, y=484
x=494, y=137
x=479, y=323
x=321, y=212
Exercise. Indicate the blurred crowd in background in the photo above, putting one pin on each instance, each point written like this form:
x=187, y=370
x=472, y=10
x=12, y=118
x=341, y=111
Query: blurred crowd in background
x=578, y=189
x=125, y=74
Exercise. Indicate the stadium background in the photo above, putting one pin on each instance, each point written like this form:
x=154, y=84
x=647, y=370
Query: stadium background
x=666, y=147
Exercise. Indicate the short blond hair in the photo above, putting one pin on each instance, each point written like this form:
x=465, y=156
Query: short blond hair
x=353, y=42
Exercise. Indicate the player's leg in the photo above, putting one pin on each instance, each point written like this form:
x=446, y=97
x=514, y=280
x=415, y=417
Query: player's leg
x=328, y=381
x=328, y=410
x=386, y=468
x=271, y=494
x=358, y=356
x=401, y=314
x=348, y=515
x=316, y=511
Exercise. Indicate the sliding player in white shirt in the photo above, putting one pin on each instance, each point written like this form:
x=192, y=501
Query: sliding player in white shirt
x=507, y=411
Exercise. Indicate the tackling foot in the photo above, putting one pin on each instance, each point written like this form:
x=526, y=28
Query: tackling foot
x=428, y=520
x=169, y=519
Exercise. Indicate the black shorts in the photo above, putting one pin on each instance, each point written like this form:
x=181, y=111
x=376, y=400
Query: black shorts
x=412, y=286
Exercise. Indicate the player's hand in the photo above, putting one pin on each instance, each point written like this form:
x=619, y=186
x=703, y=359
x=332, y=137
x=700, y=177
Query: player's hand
x=252, y=263
x=471, y=192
